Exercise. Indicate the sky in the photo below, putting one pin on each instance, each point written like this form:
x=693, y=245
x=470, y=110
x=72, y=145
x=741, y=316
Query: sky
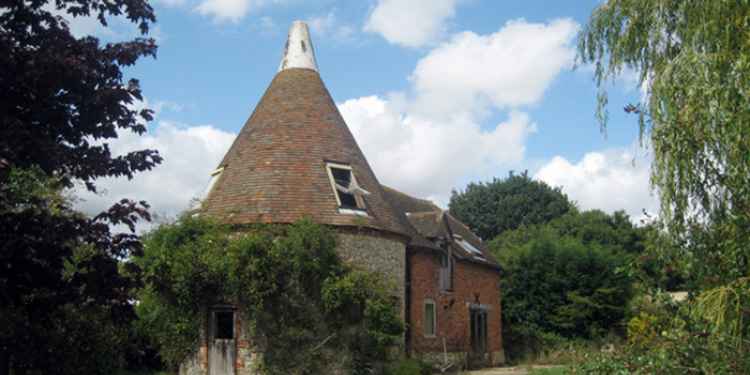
x=438, y=93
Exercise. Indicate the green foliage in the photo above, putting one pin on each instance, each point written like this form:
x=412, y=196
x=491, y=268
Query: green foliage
x=693, y=58
x=557, y=284
x=666, y=337
x=504, y=204
x=63, y=100
x=293, y=290
x=408, y=367
x=65, y=307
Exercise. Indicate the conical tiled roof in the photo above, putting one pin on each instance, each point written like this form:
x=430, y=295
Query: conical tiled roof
x=275, y=171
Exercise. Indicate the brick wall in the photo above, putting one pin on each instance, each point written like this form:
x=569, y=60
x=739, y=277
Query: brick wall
x=472, y=283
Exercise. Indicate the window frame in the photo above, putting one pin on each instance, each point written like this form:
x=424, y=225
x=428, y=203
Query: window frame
x=361, y=208
x=429, y=302
x=446, y=271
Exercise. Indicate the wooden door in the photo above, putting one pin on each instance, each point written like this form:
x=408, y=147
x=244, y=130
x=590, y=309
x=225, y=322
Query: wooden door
x=222, y=342
x=478, y=336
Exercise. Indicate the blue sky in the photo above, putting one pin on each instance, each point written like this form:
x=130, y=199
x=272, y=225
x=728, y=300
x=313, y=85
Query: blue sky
x=437, y=92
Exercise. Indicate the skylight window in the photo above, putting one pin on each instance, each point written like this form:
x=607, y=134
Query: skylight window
x=349, y=195
x=469, y=247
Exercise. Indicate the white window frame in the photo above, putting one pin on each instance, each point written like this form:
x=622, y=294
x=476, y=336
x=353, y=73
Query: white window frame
x=361, y=209
x=446, y=271
x=427, y=302
x=211, y=183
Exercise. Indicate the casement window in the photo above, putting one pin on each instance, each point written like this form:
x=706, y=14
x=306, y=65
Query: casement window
x=446, y=271
x=349, y=195
x=430, y=318
x=471, y=249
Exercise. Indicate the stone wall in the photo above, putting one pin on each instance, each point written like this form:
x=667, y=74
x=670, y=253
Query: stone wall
x=377, y=252
x=472, y=284
x=372, y=250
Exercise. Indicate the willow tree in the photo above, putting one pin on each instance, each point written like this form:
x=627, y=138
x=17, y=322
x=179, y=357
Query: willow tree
x=693, y=61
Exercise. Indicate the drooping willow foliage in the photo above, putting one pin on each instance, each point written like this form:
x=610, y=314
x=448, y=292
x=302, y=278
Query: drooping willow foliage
x=693, y=58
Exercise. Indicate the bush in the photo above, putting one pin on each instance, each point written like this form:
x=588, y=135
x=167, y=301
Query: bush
x=557, y=288
x=665, y=337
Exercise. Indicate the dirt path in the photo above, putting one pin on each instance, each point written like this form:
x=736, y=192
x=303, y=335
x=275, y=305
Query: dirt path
x=519, y=370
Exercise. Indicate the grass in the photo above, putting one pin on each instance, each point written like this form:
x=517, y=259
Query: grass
x=549, y=371
x=146, y=372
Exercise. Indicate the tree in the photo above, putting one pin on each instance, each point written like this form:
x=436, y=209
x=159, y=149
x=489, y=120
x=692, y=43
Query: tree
x=693, y=60
x=61, y=100
x=555, y=285
x=502, y=204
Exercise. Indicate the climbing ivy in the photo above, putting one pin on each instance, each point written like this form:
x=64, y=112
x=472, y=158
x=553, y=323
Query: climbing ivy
x=306, y=308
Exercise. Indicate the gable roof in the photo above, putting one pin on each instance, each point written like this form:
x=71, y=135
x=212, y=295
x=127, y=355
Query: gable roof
x=275, y=171
x=436, y=225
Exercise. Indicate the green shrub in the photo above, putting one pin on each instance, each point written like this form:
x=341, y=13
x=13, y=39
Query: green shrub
x=293, y=289
x=556, y=288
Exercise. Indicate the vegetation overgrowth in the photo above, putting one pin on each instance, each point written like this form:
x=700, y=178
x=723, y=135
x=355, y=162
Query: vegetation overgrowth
x=693, y=60
x=305, y=309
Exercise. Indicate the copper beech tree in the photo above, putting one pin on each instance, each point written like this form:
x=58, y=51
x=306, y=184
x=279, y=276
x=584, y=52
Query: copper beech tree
x=62, y=99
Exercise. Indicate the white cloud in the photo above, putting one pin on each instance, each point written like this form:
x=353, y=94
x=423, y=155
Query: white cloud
x=82, y=25
x=432, y=138
x=190, y=154
x=231, y=10
x=118, y=27
x=609, y=180
x=410, y=23
x=425, y=157
x=329, y=25
x=509, y=68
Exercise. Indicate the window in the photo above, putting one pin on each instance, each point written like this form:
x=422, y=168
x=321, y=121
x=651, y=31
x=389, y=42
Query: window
x=214, y=177
x=430, y=318
x=446, y=271
x=197, y=202
x=349, y=195
x=468, y=247
x=224, y=327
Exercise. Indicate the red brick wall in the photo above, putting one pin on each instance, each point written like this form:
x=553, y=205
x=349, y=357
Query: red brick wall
x=469, y=281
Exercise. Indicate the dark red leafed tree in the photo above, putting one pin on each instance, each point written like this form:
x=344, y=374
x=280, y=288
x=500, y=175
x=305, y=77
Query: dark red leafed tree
x=63, y=296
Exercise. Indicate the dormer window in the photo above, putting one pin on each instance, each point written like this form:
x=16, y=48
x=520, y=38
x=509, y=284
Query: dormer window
x=214, y=177
x=349, y=195
x=211, y=182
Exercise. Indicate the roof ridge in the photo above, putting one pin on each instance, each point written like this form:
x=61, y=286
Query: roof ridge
x=412, y=197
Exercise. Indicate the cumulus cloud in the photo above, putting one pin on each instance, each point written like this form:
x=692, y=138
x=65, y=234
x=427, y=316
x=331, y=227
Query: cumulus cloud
x=190, y=154
x=433, y=138
x=506, y=69
x=427, y=157
x=609, y=180
x=410, y=23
